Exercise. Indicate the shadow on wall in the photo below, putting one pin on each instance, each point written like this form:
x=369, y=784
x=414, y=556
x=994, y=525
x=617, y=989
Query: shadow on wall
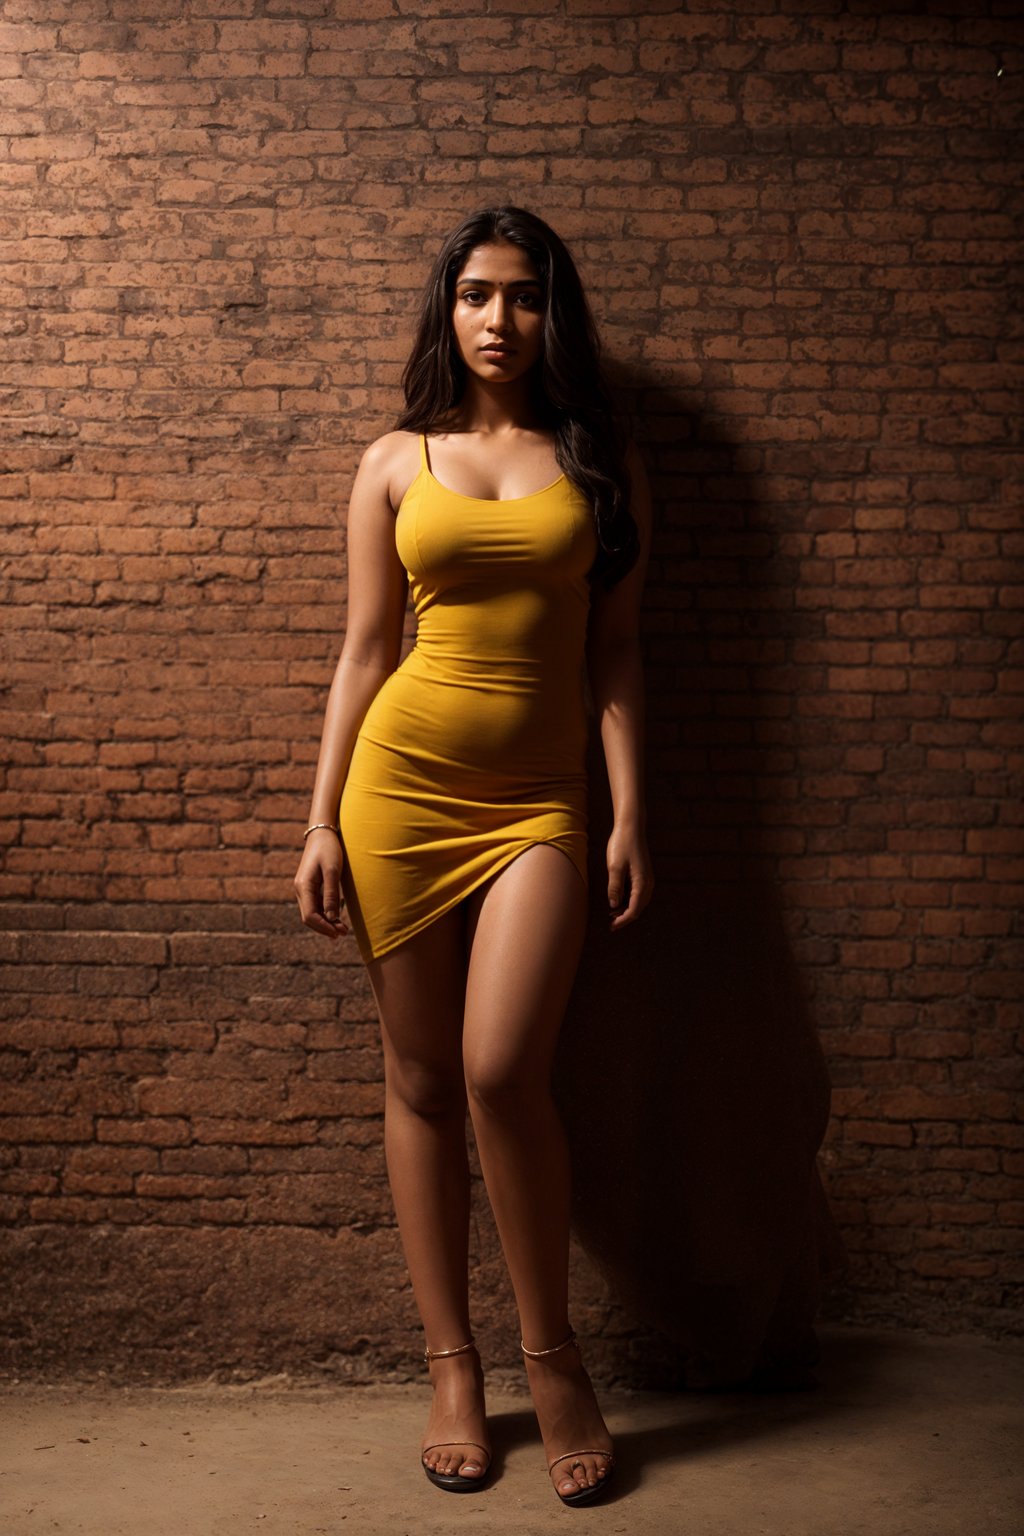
x=689, y=1071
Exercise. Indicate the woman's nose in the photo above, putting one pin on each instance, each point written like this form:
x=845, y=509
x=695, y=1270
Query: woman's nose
x=497, y=313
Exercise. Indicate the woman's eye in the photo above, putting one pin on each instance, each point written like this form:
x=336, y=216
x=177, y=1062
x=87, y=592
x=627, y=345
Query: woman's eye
x=474, y=293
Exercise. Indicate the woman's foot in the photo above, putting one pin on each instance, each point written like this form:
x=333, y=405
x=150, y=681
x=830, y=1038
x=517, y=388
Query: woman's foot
x=569, y=1418
x=457, y=1410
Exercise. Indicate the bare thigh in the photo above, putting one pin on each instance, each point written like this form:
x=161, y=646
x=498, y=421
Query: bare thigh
x=525, y=934
x=420, y=990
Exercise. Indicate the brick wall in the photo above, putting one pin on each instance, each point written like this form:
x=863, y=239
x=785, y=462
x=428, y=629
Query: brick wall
x=795, y=224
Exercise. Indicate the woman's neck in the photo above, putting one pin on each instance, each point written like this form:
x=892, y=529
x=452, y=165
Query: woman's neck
x=493, y=409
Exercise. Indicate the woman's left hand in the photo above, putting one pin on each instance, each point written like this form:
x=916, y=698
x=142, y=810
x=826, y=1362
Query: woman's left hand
x=630, y=874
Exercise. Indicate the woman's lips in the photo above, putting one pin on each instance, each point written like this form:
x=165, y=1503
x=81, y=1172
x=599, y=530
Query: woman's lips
x=497, y=352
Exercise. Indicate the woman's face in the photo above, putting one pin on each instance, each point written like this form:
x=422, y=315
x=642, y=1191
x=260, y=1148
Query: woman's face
x=499, y=303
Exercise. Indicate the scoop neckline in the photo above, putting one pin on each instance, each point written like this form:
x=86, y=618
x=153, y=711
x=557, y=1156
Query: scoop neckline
x=489, y=501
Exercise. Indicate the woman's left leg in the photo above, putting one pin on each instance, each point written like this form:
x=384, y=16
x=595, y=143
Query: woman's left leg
x=525, y=933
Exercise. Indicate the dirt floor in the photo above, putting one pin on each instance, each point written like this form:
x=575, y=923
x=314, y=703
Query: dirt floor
x=904, y=1436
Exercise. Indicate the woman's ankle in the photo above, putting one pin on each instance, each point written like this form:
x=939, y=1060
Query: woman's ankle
x=565, y=1339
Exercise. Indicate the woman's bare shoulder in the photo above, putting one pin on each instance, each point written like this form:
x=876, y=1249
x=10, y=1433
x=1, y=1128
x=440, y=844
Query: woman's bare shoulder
x=391, y=461
x=389, y=449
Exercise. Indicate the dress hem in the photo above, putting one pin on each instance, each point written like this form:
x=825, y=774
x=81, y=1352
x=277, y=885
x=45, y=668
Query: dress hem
x=421, y=924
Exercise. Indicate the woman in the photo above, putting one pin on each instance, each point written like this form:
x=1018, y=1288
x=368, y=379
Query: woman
x=450, y=798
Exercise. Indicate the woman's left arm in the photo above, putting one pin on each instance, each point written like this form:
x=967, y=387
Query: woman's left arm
x=615, y=670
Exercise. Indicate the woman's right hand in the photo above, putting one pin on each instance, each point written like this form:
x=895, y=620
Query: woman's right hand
x=318, y=884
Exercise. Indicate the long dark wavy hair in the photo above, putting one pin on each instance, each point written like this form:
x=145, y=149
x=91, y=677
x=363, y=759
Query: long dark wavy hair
x=568, y=387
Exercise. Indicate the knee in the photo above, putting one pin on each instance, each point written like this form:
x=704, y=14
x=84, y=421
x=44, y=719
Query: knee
x=426, y=1090
x=505, y=1093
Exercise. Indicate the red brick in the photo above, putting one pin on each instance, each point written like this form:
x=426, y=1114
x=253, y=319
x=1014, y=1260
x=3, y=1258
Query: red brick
x=954, y=1268
x=55, y=1128
x=150, y=1131
x=883, y=1133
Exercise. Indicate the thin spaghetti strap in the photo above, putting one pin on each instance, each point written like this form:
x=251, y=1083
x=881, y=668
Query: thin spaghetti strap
x=423, y=452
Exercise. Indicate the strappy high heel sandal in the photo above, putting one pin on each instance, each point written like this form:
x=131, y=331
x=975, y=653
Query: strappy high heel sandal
x=454, y=1482
x=583, y=1495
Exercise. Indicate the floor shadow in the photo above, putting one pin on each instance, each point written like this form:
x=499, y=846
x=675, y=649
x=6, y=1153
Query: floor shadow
x=858, y=1374
x=689, y=1070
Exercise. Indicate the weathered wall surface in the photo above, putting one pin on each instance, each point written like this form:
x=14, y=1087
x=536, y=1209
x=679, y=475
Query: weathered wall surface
x=795, y=224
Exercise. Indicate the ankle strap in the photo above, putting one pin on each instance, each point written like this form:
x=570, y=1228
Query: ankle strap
x=439, y=1354
x=535, y=1354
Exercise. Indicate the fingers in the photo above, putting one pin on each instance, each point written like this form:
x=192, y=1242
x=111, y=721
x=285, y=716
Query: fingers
x=321, y=904
x=334, y=928
x=333, y=899
x=616, y=881
x=640, y=892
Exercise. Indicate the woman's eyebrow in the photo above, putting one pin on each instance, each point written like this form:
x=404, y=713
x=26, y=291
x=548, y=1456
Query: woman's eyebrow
x=517, y=282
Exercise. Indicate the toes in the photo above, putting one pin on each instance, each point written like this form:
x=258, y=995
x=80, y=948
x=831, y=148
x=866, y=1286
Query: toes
x=449, y=1462
x=572, y=1482
x=587, y=1475
x=473, y=1467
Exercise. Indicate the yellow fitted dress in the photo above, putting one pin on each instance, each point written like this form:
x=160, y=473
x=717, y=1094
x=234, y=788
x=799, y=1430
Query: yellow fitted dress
x=474, y=748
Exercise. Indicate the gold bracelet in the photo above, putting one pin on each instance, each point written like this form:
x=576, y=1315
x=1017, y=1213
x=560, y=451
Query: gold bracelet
x=326, y=825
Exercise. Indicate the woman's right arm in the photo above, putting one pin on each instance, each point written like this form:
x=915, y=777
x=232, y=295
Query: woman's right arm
x=375, y=616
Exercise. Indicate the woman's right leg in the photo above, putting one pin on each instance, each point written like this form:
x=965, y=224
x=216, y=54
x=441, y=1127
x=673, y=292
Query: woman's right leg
x=420, y=992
